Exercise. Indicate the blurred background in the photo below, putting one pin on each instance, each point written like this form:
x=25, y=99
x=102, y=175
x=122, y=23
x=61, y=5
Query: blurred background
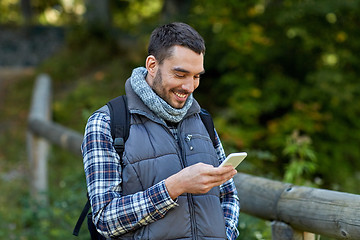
x=281, y=82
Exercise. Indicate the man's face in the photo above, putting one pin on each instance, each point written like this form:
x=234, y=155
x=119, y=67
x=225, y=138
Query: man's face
x=178, y=76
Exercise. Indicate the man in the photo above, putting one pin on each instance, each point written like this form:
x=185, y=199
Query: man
x=167, y=184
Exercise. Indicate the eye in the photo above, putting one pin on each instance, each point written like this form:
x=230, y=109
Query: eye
x=179, y=75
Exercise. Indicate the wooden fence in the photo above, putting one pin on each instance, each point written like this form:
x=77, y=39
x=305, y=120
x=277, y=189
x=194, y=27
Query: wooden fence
x=294, y=211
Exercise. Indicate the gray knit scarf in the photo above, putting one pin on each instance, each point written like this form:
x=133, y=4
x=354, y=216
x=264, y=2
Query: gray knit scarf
x=153, y=101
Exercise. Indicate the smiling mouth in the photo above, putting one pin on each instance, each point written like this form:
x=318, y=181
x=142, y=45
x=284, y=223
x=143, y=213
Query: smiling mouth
x=180, y=95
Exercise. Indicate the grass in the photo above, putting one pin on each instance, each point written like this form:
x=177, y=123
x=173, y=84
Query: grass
x=13, y=158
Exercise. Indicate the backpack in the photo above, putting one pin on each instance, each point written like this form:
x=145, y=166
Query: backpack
x=120, y=125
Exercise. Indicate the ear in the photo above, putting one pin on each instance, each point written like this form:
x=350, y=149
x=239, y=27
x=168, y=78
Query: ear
x=151, y=65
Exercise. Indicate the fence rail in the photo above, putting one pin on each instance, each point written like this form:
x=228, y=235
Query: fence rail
x=328, y=213
x=293, y=210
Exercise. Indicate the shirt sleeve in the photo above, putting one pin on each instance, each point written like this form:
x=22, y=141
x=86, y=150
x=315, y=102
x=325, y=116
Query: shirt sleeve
x=229, y=198
x=113, y=213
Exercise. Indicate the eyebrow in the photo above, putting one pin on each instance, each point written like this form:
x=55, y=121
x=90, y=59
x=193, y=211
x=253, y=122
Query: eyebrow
x=179, y=69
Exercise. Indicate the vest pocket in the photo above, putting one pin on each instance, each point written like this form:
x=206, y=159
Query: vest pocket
x=196, y=144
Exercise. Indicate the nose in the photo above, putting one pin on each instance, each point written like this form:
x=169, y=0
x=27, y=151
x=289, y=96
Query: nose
x=188, y=85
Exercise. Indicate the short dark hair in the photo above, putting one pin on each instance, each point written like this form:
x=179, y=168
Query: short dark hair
x=163, y=38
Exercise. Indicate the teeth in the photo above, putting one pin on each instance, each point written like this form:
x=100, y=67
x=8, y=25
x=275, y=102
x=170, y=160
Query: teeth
x=180, y=95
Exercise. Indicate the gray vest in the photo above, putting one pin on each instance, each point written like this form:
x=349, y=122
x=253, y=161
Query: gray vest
x=151, y=155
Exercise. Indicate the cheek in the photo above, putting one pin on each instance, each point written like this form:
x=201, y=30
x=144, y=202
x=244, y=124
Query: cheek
x=173, y=83
x=196, y=84
x=169, y=82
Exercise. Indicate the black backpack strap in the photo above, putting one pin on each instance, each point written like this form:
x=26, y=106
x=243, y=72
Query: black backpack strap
x=81, y=218
x=209, y=124
x=120, y=122
x=120, y=125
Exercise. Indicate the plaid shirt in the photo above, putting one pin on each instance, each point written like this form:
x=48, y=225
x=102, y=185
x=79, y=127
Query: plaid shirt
x=115, y=214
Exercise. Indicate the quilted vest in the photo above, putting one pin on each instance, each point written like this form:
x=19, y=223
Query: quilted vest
x=152, y=154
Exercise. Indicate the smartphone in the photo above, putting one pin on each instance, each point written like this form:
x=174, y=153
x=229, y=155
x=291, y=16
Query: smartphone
x=234, y=159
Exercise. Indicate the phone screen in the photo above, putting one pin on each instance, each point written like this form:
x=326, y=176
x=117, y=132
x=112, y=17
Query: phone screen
x=234, y=159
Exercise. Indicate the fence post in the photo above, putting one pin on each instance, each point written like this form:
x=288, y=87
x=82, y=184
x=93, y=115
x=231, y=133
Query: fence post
x=283, y=231
x=37, y=147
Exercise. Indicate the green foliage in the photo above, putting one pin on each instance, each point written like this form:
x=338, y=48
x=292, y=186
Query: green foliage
x=302, y=159
x=90, y=93
x=251, y=228
x=282, y=77
x=22, y=218
x=132, y=14
x=56, y=220
x=9, y=12
x=285, y=66
x=86, y=48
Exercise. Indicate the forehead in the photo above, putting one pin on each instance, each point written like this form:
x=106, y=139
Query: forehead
x=185, y=58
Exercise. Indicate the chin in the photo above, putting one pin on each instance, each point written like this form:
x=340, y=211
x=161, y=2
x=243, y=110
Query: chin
x=178, y=106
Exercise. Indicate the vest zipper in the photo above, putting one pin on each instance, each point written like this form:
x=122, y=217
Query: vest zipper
x=192, y=216
x=189, y=195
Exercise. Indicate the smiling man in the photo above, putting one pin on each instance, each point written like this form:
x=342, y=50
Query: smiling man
x=177, y=77
x=167, y=184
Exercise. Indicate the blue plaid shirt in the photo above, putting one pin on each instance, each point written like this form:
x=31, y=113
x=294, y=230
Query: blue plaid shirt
x=115, y=214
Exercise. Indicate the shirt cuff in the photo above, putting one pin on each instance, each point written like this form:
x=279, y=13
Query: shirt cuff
x=160, y=199
x=232, y=233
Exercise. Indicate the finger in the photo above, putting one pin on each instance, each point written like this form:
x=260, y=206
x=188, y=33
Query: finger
x=223, y=170
x=219, y=179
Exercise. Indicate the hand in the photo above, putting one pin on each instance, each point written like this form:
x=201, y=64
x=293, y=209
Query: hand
x=198, y=179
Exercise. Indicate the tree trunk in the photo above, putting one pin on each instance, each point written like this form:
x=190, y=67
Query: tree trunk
x=26, y=11
x=97, y=13
x=175, y=11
